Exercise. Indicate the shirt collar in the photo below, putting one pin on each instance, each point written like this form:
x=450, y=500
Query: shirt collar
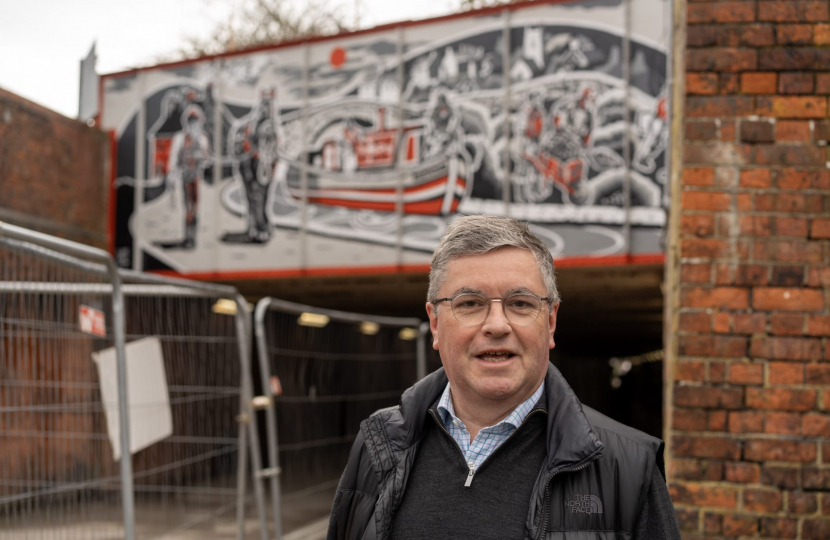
x=515, y=418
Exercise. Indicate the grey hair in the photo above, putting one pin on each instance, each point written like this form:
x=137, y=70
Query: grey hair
x=477, y=235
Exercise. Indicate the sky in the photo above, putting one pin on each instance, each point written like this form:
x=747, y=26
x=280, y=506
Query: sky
x=43, y=41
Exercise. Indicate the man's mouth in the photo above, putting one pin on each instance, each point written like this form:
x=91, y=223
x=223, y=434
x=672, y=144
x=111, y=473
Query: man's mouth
x=495, y=356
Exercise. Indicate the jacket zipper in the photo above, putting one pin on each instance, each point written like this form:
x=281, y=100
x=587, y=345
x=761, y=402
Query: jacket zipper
x=471, y=468
x=546, y=501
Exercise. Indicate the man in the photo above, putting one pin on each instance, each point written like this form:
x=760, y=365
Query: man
x=495, y=444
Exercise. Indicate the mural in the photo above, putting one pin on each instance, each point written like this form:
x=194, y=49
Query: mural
x=359, y=151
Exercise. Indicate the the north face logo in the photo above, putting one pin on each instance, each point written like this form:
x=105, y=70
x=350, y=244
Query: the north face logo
x=585, y=504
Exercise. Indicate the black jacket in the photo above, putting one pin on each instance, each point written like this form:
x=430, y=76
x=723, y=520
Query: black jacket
x=592, y=462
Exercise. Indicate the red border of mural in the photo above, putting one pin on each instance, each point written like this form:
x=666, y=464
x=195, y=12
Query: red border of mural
x=565, y=262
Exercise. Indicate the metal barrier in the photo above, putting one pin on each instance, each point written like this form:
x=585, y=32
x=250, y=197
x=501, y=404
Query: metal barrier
x=96, y=363
x=323, y=372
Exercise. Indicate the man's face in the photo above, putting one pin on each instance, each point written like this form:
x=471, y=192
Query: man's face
x=476, y=375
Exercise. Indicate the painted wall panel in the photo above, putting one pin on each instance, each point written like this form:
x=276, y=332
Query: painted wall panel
x=354, y=152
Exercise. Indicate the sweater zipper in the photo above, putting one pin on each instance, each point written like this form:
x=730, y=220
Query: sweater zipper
x=471, y=466
x=546, y=501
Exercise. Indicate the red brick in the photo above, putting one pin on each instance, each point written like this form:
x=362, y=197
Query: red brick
x=823, y=83
x=794, y=178
x=763, y=450
x=815, y=425
x=800, y=11
x=739, y=525
x=705, y=200
x=721, y=59
x=706, y=447
x=720, y=153
x=720, y=323
x=741, y=472
x=717, y=106
x=716, y=421
x=707, y=397
x=788, y=202
x=787, y=251
x=819, y=277
x=762, y=500
x=747, y=374
x=818, y=325
x=721, y=12
x=749, y=323
x=818, y=374
x=726, y=177
x=753, y=226
x=695, y=273
x=759, y=83
x=757, y=131
x=745, y=274
x=786, y=373
x=792, y=131
x=814, y=479
x=717, y=346
x=746, y=422
x=794, y=34
x=802, y=503
x=712, y=523
x=697, y=225
x=788, y=226
x=796, y=83
x=702, y=83
x=786, y=299
x=717, y=372
x=791, y=58
x=756, y=178
x=788, y=276
x=708, y=248
x=780, y=477
x=792, y=155
x=825, y=400
x=689, y=420
x=687, y=518
x=690, y=371
x=820, y=229
x=821, y=34
x=714, y=297
x=703, y=495
x=792, y=107
x=786, y=324
x=782, y=423
x=696, y=469
x=815, y=529
x=698, y=176
x=780, y=399
x=730, y=83
x=777, y=527
x=701, y=130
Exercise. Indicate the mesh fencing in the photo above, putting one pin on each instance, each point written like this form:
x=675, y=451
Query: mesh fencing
x=187, y=368
x=326, y=371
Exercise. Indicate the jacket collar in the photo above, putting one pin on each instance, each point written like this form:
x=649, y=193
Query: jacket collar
x=570, y=439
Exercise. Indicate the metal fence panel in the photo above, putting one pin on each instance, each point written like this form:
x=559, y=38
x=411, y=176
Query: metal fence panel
x=60, y=475
x=324, y=372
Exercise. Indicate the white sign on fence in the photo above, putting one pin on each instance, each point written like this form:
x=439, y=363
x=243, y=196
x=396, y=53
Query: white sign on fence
x=151, y=419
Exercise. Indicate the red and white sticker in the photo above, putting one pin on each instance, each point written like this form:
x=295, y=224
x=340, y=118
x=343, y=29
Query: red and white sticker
x=92, y=321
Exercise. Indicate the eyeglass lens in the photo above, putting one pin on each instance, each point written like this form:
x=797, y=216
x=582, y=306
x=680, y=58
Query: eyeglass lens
x=520, y=309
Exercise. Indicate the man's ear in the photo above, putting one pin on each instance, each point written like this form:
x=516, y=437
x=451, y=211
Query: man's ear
x=552, y=325
x=433, y=323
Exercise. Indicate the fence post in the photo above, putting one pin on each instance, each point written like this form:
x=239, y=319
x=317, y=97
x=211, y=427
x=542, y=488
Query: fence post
x=270, y=413
x=423, y=330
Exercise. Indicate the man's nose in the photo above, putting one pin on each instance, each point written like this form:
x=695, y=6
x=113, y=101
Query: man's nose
x=496, y=322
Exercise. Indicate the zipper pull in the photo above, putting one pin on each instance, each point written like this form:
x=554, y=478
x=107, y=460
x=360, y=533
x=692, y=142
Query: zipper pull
x=470, y=475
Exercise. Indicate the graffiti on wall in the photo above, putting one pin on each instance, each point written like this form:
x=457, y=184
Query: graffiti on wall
x=382, y=149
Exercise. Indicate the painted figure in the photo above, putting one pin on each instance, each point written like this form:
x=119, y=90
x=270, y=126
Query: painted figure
x=254, y=149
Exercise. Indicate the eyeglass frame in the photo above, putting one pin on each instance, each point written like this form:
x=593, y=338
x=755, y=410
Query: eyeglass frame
x=490, y=305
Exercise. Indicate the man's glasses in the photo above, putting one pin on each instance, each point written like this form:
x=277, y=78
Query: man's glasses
x=472, y=309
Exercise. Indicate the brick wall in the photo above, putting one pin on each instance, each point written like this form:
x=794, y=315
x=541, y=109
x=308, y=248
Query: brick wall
x=750, y=432
x=53, y=172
